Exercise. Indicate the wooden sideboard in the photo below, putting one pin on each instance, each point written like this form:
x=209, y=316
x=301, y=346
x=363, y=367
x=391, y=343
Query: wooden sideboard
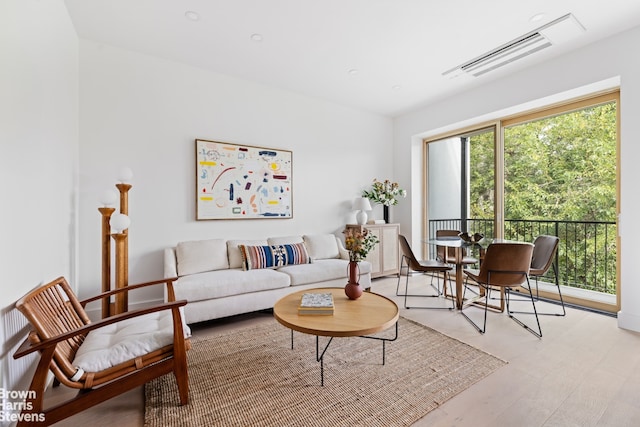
x=385, y=256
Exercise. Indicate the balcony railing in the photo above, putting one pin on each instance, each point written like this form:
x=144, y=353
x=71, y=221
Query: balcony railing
x=586, y=257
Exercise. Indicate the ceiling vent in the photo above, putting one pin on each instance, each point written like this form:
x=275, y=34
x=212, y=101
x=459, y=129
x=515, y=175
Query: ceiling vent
x=555, y=32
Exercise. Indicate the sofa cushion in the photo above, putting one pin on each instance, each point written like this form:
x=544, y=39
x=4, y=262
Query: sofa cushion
x=273, y=256
x=235, y=256
x=224, y=283
x=201, y=255
x=286, y=240
x=322, y=246
x=120, y=342
x=320, y=271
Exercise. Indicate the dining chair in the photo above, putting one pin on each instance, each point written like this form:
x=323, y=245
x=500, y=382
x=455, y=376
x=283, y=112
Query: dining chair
x=544, y=258
x=100, y=359
x=505, y=266
x=424, y=266
x=449, y=255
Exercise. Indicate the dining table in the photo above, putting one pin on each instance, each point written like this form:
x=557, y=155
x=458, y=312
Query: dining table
x=461, y=247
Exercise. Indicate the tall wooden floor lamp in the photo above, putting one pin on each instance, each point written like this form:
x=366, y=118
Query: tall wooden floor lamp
x=119, y=224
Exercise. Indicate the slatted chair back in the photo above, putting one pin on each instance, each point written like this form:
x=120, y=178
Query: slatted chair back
x=53, y=310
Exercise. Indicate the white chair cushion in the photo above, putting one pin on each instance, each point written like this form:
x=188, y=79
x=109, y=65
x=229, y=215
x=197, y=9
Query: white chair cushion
x=322, y=246
x=235, y=256
x=201, y=255
x=123, y=341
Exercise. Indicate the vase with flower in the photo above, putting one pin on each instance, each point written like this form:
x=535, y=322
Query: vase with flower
x=385, y=193
x=359, y=242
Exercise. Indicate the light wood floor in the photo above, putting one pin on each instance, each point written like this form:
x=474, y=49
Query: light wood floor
x=585, y=371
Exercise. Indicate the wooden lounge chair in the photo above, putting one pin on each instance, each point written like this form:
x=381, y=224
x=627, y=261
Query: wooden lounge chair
x=101, y=359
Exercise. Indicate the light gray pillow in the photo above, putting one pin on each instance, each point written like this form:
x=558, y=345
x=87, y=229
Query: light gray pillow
x=322, y=246
x=197, y=256
x=286, y=240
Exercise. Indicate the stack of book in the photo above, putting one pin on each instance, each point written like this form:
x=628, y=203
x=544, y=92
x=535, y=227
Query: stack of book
x=318, y=304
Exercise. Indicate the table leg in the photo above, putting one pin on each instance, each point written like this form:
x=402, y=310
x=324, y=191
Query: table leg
x=384, y=340
x=320, y=357
x=459, y=283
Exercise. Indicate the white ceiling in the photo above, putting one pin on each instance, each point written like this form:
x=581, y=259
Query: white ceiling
x=400, y=48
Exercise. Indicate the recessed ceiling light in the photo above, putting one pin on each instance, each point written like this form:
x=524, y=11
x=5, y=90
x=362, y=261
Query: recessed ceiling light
x=191, y=15
x=537, y=17
x=353, y=71
x=396, y=87
x=257, y=37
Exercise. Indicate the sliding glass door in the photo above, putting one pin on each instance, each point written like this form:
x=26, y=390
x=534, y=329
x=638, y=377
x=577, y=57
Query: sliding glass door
x=560, y=178
x=552, y=171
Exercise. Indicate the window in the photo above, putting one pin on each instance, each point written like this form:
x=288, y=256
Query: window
x=553, y=171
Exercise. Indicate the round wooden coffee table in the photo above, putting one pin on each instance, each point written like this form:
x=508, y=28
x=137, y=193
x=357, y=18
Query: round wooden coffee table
x=367, y=315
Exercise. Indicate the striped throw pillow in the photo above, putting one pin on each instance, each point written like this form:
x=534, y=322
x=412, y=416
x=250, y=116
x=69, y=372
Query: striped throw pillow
x=273, y=256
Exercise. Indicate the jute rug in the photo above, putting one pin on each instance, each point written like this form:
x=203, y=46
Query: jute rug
x=251, y=377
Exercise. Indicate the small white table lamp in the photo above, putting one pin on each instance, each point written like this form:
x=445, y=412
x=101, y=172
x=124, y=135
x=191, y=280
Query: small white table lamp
x=361, y=204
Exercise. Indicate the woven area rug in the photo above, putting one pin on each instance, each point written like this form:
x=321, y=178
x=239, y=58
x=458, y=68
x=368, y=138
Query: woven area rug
x=251, y=377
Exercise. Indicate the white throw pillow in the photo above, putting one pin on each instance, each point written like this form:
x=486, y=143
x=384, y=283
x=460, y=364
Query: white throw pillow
x=201, y=255
x=322, y=246
x=286, y=240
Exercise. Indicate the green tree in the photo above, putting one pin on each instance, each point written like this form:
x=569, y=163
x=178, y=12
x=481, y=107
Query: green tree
x=557, y=168
x=563, y=167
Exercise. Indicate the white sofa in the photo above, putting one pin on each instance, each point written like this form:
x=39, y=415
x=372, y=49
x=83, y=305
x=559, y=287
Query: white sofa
x=221, y=278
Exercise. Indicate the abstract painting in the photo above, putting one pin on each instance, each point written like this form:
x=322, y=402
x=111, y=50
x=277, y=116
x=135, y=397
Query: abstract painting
x=242, y=182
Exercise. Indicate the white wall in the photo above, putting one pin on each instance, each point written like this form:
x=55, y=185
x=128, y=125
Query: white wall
x=566, y=76
x=72, y=113
x=38, y=157
x=145, y=113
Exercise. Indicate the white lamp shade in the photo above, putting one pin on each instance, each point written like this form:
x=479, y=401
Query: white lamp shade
x=119, y=222
x=361, y=204
x=125, y=174
x=108, y=198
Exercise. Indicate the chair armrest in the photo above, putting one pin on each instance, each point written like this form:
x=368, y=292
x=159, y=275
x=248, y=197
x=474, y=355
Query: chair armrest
x=28, y=347
x=128, y=288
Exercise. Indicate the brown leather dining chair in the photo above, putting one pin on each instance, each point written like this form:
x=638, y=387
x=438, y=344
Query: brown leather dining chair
x=411, y=263
x=505, y=266
x=448, y=255
x=544, y=255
